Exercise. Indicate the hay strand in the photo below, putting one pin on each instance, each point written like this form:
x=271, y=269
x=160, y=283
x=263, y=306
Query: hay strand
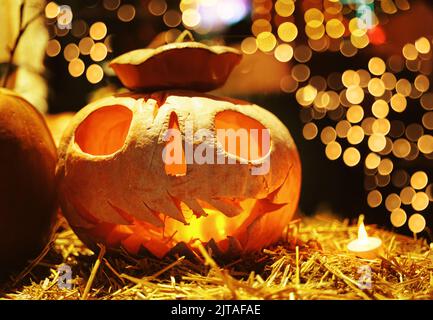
x=311, y=263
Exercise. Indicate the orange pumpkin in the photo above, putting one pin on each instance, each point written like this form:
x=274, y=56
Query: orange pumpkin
x=119, y=186
x=27, y=175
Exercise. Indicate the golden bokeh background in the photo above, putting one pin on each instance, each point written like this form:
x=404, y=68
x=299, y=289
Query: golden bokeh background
x=365, y=107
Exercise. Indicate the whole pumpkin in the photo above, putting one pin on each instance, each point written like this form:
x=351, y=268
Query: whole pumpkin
x=116, y=189
x=27, y=189
x=152, y=172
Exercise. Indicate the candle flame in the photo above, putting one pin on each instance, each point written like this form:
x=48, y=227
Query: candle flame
x=362, y=233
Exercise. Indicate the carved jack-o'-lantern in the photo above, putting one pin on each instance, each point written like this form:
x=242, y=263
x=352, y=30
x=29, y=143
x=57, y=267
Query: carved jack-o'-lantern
x=128, y=180
x=27, y=187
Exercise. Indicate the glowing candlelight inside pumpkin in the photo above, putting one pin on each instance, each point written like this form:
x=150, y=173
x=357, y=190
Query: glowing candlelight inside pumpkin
x=365, y=246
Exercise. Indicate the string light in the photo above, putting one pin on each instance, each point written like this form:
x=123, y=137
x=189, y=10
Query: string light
x=398, y=217
x=74, y=53
x=76, y=67
x=284, y=52
x=126, y=13
x=98, y=52
x=111, y=4
x=98, y=31
x=172, y=18
x=71, y=52
x=85, y=45
x=416, y=223
x=249, y=45
x=157, y=7
x=52, y=10
x=266, y=41
x=94, y=73
x=79, y=28
x=53, y=48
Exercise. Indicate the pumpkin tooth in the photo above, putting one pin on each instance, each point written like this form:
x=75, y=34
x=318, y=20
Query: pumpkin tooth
x=160, y=97
x=275, y=196
x=212, y=247
x=81, y=210
x=171, y=206
x=132, y=243
x=158, y=248
x=234, y=246
x=228, y=247
x=184, y=249
x=270, y=217
x=154, y=213
x=196, y=208
x=118, y=234
x=230, y=208
x=279, y=195
x=142, y=212
x=122, y=213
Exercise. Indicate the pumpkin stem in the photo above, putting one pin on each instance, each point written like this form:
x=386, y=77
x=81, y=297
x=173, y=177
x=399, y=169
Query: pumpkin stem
x=183, y=35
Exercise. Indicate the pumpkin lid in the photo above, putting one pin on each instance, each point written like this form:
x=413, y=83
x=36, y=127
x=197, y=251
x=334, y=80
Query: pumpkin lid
x=179, y=65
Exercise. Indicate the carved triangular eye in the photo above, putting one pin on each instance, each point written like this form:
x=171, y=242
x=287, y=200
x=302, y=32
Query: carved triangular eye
x=241, y=135
x=104, y=131
x=174, y=155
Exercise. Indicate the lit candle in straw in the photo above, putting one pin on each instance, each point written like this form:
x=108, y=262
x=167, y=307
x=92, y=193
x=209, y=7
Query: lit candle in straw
x=365, y=246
